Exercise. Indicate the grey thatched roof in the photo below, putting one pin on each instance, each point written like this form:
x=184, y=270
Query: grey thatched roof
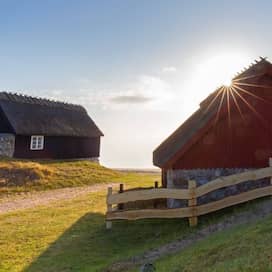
x=29, y=116
x=167, y=150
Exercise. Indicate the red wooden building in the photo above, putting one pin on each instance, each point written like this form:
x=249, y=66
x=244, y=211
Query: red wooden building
x=231, y=129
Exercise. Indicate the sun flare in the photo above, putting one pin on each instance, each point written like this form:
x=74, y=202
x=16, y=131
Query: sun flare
x=237, y=94
x=227, y=82
x=212, y=72
x=220, y=69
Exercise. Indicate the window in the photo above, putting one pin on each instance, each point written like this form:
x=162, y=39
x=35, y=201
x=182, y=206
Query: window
x=36, y=142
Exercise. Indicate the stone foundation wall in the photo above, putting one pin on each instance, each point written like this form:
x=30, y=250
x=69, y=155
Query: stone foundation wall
x=95, y=159
x=7, y=144
x=179, y=179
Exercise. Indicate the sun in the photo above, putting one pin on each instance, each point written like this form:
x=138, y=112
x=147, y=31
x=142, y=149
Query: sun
x=221, y=68
x=227, y=82
x=218, y=70
x=211, y=71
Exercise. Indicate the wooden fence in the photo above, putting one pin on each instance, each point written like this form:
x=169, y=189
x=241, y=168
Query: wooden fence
x=191, y=194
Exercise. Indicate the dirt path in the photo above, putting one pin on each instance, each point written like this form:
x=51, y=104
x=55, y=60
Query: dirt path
x=259, y=211
x=33, y=199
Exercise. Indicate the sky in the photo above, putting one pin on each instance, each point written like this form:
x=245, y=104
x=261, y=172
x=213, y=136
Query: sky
x=139, y=67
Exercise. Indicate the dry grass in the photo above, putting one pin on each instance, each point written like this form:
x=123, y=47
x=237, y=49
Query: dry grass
x=18, y=176
x=17, y=173
x=24, y=176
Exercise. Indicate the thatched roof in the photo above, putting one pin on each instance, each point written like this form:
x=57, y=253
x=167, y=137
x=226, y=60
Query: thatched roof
x=169, y=148
x=175, y=142
x=35, y=116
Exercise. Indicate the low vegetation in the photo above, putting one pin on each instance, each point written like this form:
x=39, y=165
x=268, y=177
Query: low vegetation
x=17, y=173
x=71, y=236
x=24, y=176
x=244, y=248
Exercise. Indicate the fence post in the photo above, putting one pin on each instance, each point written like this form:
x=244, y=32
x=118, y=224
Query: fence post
x=109, y=209
x=192, y=202
x=169, y=177
x=156, y=186
x=270, y=165
x=121, y=190
x=169, y=184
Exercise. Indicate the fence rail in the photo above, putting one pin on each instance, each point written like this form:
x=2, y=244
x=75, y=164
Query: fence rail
x=193, y=210
x=233, y=180
x=147, y=194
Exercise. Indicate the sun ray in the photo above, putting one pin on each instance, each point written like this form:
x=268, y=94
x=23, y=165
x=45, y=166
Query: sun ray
x=246, y=77
x=236, y=103
x=228, y=107
x=213, y=100
x=251, y=94
x=220, y=105
x=251, y=107
x=253, y=85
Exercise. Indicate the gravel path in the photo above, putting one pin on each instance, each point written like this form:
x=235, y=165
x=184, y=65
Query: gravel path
x=33, y=199
x=261, y=210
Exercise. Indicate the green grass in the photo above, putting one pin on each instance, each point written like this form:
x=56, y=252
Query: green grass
x=24, y=176
x=244, y=248
x=71, y=236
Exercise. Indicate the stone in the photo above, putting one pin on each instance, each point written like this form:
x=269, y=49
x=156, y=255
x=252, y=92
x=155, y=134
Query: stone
x=203, y=176
x=149, y=267
x=7, y=145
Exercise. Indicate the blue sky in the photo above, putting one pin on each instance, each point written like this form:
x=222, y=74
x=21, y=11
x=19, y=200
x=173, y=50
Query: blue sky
x=139, y=67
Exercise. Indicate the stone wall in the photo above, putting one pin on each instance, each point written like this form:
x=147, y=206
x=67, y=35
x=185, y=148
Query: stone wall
x=179, y=179
x=94, y=159
x=7, y=143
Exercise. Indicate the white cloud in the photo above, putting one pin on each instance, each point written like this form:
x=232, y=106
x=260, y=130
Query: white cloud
x=130, y=99
x=148, y=91
x=145, y=91
x=169, y=69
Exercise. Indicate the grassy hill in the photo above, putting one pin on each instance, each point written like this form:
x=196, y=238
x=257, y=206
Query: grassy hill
x=244, y=248
x=70, y=235
x=24, y=176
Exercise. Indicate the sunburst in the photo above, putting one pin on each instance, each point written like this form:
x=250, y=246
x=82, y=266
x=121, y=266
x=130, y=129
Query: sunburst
x=237, y=92
x=236, y=103
x=220, y=104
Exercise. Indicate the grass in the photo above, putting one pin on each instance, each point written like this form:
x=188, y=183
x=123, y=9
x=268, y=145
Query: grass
x=244, y=248
x=24, y=176
x=71, y=236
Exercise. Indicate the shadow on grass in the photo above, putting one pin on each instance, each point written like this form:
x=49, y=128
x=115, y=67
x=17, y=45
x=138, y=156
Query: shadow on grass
x=88, y=246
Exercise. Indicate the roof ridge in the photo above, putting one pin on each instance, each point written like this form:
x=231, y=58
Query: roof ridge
x=236, y=77
x=169, y=148
x=23, y=98
x=253, y=64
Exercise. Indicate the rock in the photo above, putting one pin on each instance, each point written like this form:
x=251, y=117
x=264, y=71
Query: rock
x=148, y=267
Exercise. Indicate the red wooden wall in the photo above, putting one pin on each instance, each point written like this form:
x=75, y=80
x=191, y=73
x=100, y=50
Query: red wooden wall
x=244, y=141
